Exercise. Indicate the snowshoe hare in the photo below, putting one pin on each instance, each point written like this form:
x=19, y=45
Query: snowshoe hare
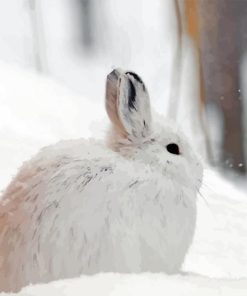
x=85, y=206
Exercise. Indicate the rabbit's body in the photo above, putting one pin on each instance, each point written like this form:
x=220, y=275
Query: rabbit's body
x=87, y=211
x=80, y=207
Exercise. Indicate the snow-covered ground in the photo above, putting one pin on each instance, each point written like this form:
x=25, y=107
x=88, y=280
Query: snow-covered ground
x=37, y=111
x=135, y=285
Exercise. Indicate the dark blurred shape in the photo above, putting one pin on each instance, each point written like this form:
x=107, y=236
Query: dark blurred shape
x=219, y=29
x=86, y=10
x=39, y=48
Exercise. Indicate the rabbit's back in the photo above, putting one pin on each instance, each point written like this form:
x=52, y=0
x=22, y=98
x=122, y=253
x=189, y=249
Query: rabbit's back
x=56, y=214
x=46, y=208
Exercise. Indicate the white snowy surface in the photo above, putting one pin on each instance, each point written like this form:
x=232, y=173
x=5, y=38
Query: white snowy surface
x=219, y=247
x=135, y=285
x=36, y=111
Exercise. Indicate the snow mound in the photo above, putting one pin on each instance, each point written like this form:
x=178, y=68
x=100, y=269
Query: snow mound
x=219, y=247
x=37, y=111
x=134, y=285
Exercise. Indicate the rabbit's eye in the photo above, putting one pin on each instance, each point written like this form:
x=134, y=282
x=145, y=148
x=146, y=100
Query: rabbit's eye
x=173, y=148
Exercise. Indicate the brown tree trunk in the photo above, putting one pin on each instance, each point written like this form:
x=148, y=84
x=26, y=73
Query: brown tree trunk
x=221, y=27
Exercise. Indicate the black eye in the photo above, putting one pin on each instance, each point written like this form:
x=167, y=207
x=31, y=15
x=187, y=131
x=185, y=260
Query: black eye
x=173, y=148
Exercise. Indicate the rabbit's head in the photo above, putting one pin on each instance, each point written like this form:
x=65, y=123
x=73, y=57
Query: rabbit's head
x=135, y=135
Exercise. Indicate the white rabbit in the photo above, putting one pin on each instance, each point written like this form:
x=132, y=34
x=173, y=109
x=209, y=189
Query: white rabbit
x=84, y=206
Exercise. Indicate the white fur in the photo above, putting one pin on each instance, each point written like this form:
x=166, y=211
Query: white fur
x=80, y=207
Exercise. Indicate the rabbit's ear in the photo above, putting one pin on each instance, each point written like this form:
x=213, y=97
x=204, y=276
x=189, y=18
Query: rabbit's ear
x=127, y=104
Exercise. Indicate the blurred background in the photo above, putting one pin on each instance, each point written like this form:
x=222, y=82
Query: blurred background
x=190, y=53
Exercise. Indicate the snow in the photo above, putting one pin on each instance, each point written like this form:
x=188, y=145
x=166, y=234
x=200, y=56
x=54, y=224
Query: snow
x=37, y=111
x=134, y=285
x=219, y=248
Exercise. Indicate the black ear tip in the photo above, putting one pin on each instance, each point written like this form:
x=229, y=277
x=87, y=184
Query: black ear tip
x=131, y=96
x=135, y=76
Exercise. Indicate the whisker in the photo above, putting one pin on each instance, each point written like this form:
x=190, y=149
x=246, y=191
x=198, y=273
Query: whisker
x=208, y=187
x=203, y=197
x=206, y=202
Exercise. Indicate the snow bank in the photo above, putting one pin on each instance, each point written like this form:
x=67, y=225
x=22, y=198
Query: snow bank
x=35, y=111
x=219, y=247
x=135, y=285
